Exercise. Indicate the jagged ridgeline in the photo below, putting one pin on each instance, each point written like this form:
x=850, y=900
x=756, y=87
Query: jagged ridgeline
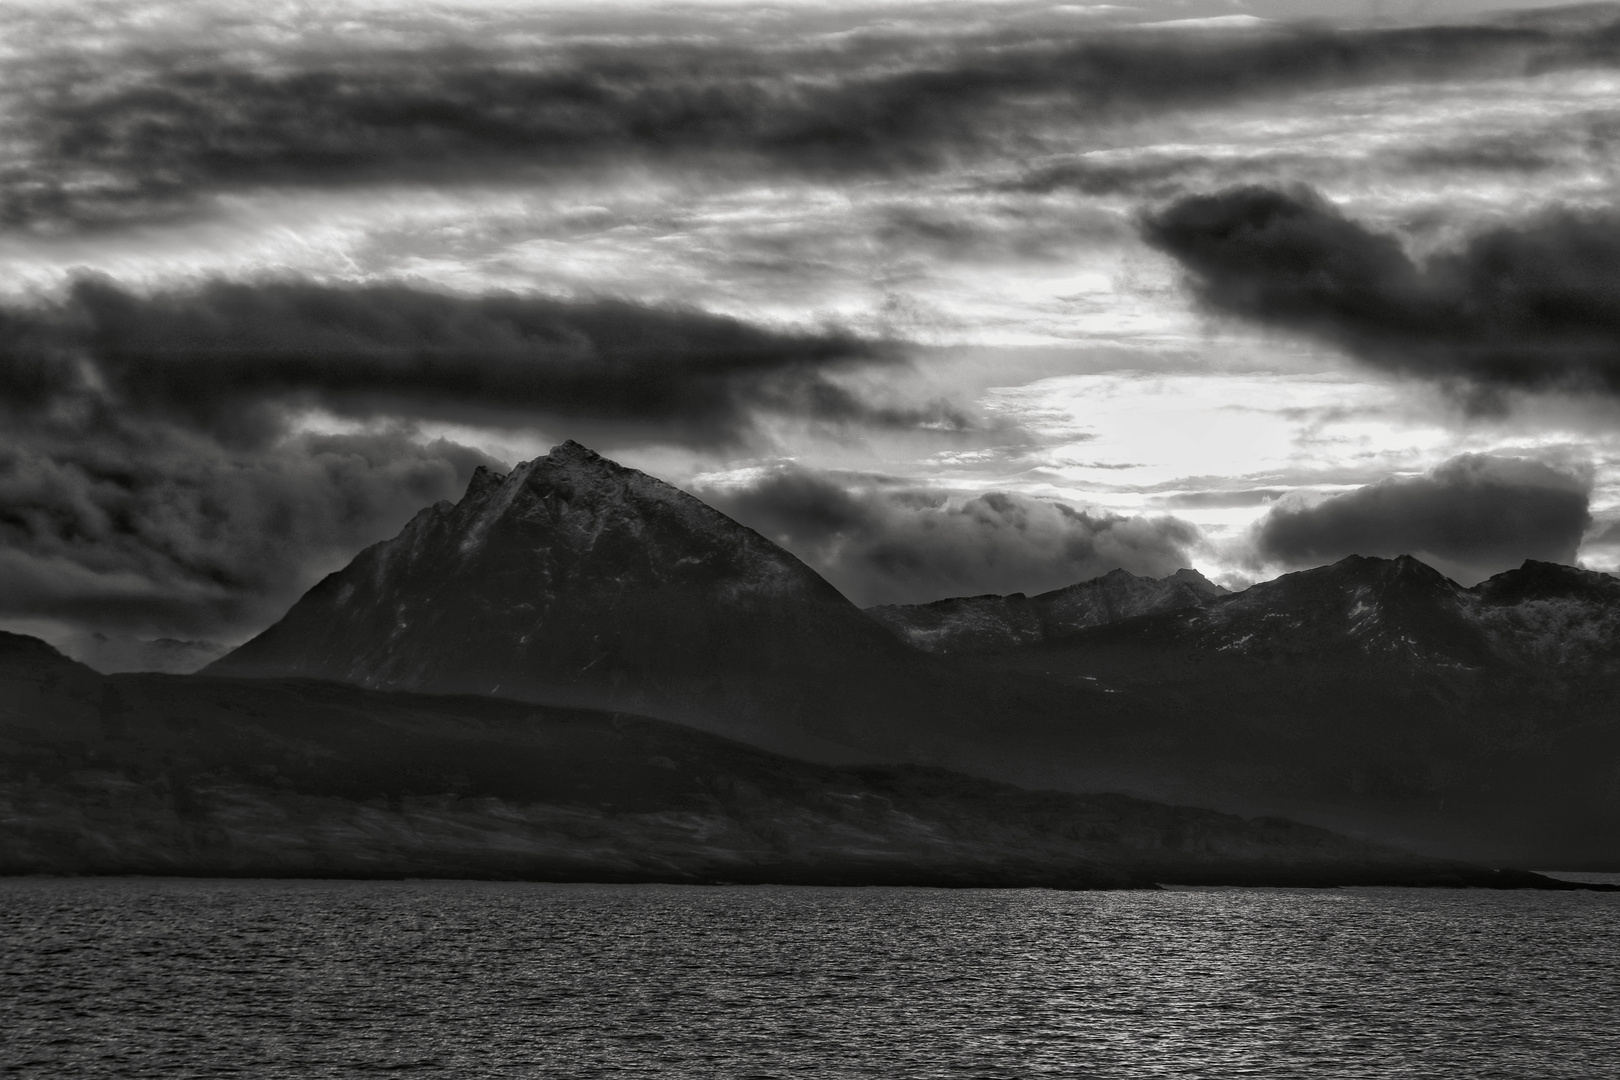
x=1374, y=695
x=574, y=580
x=990, y=623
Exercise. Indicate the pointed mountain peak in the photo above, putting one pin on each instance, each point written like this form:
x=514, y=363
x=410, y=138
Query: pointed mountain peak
x=583, y=465
x=578, y=460
x=1197, y=582
x=568, y=450
x=573, y=579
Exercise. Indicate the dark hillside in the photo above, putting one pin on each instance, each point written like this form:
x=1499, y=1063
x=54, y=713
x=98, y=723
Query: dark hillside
x=195, y=775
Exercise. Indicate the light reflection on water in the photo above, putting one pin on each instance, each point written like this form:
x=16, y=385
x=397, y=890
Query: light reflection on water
x=181, y=978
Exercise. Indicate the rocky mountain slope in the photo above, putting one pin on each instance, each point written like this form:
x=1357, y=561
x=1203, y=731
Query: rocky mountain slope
x=1538, y=620
x=1373, y=696
x=160, y=774
x=989, y=623
x=576, y=581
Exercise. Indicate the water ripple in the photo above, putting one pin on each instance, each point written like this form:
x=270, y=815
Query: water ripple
x=180, y=978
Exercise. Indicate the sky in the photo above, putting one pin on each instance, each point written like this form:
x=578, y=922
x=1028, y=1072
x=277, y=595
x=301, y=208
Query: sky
x=946, y=297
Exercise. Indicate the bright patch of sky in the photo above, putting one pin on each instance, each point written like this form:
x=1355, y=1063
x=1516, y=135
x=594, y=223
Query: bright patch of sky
x=1038, y=309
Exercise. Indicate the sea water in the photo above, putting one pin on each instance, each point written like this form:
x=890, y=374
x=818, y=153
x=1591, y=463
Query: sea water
x=189, y=978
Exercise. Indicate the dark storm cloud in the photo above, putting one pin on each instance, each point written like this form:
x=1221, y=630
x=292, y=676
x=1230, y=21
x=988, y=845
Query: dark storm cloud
x=1473, y=516
x=143, y=134
x=230, y=358
x=36, y=365
x=1535, y=306
x=151, y=482
x=901, y=546
x=149, y=530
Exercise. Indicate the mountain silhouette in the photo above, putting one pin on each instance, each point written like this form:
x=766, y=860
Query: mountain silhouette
x=991, y=622
x=1402, y=610
x=1373, y=696
x=573, y=580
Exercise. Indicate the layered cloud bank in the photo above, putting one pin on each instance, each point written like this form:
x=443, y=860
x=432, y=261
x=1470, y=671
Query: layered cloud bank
x=163, y=128
x=1534, y=305
x=947, y=298
x=155, y=477
x=232, y=358
x=152, y=532
x=1471, y=517
x=887, y=544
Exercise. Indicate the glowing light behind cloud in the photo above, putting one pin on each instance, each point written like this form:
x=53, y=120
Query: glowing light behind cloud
x=1011, y=270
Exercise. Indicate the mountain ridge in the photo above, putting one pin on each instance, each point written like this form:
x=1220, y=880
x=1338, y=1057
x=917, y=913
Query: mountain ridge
x=573, y=580
x=991, y=621
x=1373, y=696
x=1517, y=616
x=1403, y=609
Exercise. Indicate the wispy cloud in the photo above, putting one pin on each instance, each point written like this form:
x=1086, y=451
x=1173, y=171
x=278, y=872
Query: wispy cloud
x=161, y=130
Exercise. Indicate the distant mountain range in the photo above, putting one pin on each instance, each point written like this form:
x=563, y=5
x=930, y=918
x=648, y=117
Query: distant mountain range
x=989, y=623
x=1541, y=618
x=1373, y=697
x=1543, y=621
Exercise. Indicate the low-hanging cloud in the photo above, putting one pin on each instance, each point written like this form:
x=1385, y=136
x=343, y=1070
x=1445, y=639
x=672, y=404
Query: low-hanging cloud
x=887, y=545
x=151, y=530
x=233, y=358
x=148, y=135
x=1472, y=516
x=1535, y=306
x=156, y=478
